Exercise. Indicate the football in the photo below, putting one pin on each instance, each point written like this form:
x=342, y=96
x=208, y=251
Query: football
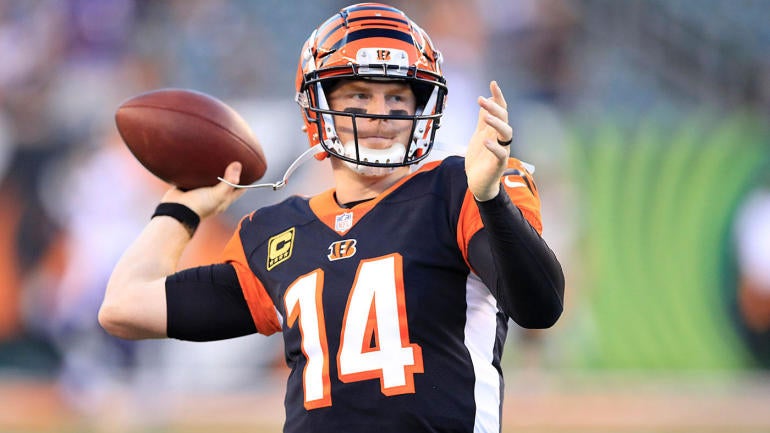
x=187, y=138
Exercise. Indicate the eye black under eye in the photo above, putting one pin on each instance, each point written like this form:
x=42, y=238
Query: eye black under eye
x=354, y=110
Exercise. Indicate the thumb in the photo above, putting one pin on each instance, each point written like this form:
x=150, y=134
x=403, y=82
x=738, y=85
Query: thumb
x=233, y=172
x=222, y=194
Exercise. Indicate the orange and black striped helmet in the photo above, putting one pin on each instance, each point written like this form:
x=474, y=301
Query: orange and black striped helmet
x=370, y=41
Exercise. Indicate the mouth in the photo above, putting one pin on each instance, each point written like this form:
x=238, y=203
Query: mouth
x=375, y=141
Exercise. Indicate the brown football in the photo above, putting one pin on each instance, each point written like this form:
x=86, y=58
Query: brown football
x=187, y=138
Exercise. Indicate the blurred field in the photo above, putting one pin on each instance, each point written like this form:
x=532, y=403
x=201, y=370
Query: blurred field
x=534, y=403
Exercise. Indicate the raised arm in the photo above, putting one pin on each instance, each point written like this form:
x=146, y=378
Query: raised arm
x=517, y=265
x=134, y=305
x=509, y=254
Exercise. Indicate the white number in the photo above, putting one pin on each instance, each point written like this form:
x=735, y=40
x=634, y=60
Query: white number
x=303, y=301
x=375, y=338
x=376, y=313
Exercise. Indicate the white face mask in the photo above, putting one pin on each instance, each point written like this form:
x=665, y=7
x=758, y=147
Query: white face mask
x=394, y=153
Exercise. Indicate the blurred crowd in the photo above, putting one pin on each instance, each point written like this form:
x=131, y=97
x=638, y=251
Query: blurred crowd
x=72, y=196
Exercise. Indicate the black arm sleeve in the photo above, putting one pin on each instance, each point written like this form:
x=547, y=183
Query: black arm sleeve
x=517, y=265
x=207, y=304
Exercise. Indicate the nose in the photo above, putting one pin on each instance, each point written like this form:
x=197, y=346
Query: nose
x=378, y=105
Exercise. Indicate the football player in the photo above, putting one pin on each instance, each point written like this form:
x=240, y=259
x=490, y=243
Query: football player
x=392, y=290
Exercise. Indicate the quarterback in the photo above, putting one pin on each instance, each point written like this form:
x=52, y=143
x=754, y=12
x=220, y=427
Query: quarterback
x=393, y=289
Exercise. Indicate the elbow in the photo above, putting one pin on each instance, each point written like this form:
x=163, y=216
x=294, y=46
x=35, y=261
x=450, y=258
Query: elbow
x=541, y=311
x=133, y=311
x=549, y=308
x=107, y=320
x=117, y=322
x=110, y=319
x=544, y=320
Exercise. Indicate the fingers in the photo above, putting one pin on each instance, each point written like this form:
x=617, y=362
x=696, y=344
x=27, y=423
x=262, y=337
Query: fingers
x=211, y=200
x=500, y=124
x=504, y=130
x=495, y=104
x=501, y=152
x=497, y=94
x=495, y=114
x=493, y=107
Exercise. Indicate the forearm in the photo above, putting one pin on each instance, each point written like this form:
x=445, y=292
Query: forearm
x=517, y=264
x=134, y=304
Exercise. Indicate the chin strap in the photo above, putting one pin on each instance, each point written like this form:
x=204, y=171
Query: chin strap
x=304, y=157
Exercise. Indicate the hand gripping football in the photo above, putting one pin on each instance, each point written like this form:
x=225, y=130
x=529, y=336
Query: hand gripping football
x=188, y=138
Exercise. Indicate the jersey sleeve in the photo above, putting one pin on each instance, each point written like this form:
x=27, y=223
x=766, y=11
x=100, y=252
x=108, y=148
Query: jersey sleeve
x=520, y=186
x=506, y=250
x=266, y=318
x=206, y=304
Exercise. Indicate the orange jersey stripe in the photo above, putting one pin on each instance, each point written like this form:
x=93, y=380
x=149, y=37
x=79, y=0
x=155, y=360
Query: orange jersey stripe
x=520, y=187
x=325, y=207
x=260, y=305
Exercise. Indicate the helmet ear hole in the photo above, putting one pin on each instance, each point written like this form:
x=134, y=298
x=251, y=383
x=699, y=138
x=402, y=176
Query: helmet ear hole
x=422, y=92
x=329, y=85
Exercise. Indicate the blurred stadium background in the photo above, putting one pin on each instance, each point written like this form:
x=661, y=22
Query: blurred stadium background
x=647, y=121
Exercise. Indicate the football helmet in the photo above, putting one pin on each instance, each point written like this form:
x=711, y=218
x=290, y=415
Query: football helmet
x=370, y=41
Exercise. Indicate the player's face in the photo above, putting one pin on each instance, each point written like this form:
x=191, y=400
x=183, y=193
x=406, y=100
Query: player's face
x=369, y=97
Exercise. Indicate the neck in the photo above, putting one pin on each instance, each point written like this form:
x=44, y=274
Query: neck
x=351, y=186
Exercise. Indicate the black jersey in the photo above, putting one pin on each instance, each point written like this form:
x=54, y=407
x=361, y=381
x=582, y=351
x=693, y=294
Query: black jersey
x=386, y=326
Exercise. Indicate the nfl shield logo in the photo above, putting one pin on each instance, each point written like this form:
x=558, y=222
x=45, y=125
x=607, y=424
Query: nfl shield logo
x=343, y=222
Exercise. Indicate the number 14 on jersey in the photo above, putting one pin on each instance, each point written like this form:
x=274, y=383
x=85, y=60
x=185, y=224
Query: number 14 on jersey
x=374, y=343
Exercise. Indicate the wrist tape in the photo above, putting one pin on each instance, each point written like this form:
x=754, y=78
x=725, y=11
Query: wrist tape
x=181, y=213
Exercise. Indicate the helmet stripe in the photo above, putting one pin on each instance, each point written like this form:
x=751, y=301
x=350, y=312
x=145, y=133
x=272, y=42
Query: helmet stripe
x=379, y=18
x=329, y=33
x=374, y=33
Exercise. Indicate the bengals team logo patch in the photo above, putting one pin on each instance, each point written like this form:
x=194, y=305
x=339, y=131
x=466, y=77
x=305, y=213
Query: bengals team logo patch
x=279, y=248
x=342, y=249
